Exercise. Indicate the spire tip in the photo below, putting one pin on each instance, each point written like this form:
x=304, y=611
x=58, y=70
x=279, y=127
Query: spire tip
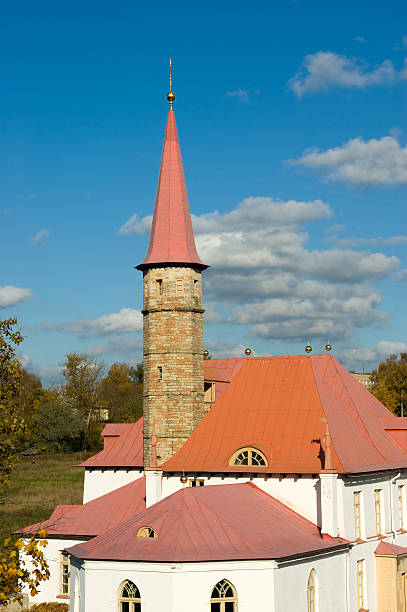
x=171, y=94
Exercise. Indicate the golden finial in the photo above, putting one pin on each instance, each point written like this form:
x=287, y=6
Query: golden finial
x=170, y=94
x=248, y=352
x=308, y=348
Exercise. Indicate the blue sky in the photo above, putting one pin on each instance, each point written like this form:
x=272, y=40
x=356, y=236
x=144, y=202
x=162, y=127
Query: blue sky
x=293, y=130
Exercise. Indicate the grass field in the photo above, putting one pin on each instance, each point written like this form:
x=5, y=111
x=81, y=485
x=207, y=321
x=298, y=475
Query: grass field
x=38, y=484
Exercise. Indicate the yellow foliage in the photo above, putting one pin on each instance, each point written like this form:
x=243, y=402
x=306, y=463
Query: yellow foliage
x=14, y=573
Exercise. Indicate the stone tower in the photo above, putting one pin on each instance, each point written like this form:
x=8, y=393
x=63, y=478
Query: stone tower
x=173, y=400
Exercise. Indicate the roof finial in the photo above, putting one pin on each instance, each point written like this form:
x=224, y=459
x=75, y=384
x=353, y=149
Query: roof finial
x=170, y=94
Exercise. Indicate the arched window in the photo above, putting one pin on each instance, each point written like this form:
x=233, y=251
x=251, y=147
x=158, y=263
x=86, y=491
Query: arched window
x=129, y=598
x=248, y=456
x=224, y=598
x=147, y=532
x=311, y=592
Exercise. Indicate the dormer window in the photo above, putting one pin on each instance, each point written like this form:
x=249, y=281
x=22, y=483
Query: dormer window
x=248, y=456
x=147, y=532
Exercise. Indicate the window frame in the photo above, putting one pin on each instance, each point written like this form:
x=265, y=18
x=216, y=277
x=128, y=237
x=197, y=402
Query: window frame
x=361, y=584
x=357, y=514
x=401, y=504
x=249, y=449
x=223, y=600
x=193, y=482
x=158, y=287
x=129, y=600
x=179, y=286
x=312, y=589
x=64, y=576
x=148, y=532
x=378, y=495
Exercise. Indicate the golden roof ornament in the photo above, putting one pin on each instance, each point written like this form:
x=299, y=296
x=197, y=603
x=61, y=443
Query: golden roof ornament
x=308, y=348
x=328, y=347
x=248, y=352
x=170, y=94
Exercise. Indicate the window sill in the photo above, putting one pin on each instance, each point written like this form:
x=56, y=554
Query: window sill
x=62, y=597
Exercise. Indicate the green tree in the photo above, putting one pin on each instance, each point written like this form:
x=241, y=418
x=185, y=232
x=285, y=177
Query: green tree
x=58, y=427
x=81, y=393
x=12, y=427
x=390, y=382
x=121, y=394
x=137, y=373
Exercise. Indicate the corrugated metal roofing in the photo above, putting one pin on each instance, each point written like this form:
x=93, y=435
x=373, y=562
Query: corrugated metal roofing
x=123, y=446
x=172, y=237
x=278, y=404
x=98, y=515
x=213, y=523
x=392, y=550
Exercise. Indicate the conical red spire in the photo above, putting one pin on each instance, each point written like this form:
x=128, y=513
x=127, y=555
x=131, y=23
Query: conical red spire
x=172, y=237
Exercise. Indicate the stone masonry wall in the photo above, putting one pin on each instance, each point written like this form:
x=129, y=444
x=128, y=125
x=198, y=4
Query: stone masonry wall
x=173, y=357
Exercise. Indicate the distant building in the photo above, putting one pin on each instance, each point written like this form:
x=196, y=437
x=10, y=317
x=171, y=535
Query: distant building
x=364, y=379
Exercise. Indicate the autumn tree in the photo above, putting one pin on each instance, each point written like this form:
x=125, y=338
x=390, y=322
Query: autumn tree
x=121, y=392
x=390, y=382
x=57, y=426
x=81, y=393
x=12, y=426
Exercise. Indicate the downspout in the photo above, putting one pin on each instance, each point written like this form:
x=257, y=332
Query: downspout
x=347, y=579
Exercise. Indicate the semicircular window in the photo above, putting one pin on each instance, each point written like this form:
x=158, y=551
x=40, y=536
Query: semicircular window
x=248, y=456
x=223, y=597
x=147, y=532
x=129, y=598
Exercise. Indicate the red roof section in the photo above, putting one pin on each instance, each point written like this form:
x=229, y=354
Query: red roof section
x=98, y=515
x=276, y=404
x=172, y=237
x=123, y=446
x=392, y=550
x=212, y=523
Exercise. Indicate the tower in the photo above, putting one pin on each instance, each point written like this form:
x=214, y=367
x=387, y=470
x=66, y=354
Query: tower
x=173, y=398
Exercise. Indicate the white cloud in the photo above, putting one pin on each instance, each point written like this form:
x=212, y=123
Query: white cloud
x=243, y=95
x=359, y=358
x=10, y=295
x=360, y=163
x=324, y=70
x=48, y=374
x=40, y=238
x=225, y=348
x=359, y=39
x=401, y=277
x=403, y=45
x=118, y=345
x=338, y=227
x=368, y=242
x=125, y=321
x=248, y=214
x=262, y=274
x=136, y=226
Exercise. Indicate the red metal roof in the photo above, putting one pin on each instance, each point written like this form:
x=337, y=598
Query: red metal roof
x=172, y=237
x=392, y=550
x=98, y=515
x=212, y=523
x=123, y=446
x=276, y=404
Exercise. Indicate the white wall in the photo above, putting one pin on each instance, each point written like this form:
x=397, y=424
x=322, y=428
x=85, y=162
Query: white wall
x=300, y=494
x=291, y=581
x=98, y=481
x=176, y=587
x=50, y=589
x=388, y=483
